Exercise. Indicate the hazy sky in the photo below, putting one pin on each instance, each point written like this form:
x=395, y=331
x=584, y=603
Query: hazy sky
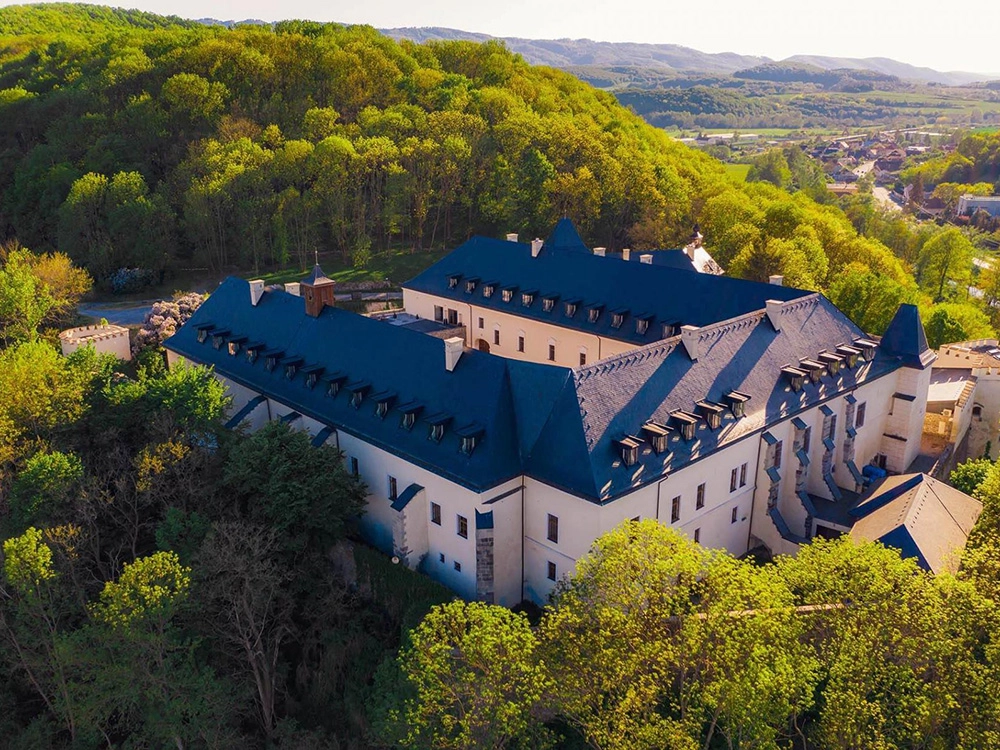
x=962, y=36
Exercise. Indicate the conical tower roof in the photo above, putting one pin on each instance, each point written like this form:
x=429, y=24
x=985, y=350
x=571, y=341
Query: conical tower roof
x=905, y=338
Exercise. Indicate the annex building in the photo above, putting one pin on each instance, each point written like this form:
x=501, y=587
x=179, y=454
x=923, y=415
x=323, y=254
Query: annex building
x=533, y=396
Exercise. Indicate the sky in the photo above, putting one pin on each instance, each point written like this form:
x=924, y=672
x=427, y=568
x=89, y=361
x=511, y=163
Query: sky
x=936, y=35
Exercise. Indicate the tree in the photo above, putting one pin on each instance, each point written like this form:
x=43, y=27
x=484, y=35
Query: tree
x=968, y=475
x=473, y=677
x=946, y=259
x=771, y=166
x=952, y=321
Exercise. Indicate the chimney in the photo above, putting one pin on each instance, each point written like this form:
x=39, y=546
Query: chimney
x=689, y=337
x=536, y=247
x=453, y=348
x=512, y=237
x=256, y=291
x=600, y=251
x=626, y=254
x=292, y=287
x=773, y=311
x=646, y=258
x=777, y=280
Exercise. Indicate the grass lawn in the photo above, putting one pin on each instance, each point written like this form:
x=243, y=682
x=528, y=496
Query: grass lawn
x=395, y=265
x=737, y=171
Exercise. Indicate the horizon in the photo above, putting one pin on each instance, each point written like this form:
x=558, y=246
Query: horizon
x=773, y=28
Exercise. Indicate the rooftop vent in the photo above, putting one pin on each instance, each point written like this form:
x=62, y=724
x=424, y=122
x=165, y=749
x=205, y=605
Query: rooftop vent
x=292, y=287
x=626, y=254
x=773, y=309
x=453, y=349
x=646, y=258
x=512, y=237
x=536, y=247
x=256, y=291
x=777, y=280
x=601, y=251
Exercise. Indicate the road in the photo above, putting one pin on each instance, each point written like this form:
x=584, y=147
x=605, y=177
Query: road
x=881, y=196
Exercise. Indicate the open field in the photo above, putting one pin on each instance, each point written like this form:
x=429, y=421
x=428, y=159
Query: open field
x=738, y=171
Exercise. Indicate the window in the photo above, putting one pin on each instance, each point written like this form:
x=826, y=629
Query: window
x=438, y=313
x=553, y=530
x=482, y=323
x=436, y=432
x=507, y=295
x=583, y=358
x=593, y=314
x=699, y=502
x=202, y=335
x=807, y=438
x=408, y=420
x=697, y=536
x=675, y=509
x=743, y=475
x=441, y=556
x=488, y=290
x=732, y=480
x=778, y=447
x=468, y=444
x=617, y=319
x=548, y=304
x=252, y=355
x=458, y=566
x=234, y=348
x=356, y=398
x=527, y=299
x=470, y=286
x=641, y=326
x=736, y=513
x=669, y=329
x=354, y=466
x=552, y=352
x=859, y=420
x=570, y=309
x=452, y=282
x=436, y=516
x=452, y=317
x=552, y=571
x=520, y=343
x=382, y=408
x=496, y=337
x=463, y=527
x=392, y=488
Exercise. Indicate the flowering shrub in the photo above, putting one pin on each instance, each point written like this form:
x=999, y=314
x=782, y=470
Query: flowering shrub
x=164, y=318
x=126, y=280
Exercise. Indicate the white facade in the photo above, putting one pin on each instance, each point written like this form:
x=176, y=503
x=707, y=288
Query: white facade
x=106, y=339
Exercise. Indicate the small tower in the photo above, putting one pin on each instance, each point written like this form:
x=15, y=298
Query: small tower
x=317, y=289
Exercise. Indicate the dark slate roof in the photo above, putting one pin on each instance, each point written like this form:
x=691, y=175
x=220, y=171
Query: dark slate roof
x=615, y=397
x=920, y=516
x=905, y=338
x=557, y=425
x=675, y=258
x=666, y=295
x=388, y=357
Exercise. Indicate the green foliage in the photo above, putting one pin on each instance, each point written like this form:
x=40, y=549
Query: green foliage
x=27, y=562
x=868, y=298
x=945, y=260
x=149, y=589
x=948, y=322
x=46, y=483
x=969, y=474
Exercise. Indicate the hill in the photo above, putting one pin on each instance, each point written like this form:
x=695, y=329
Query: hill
x=892, y=68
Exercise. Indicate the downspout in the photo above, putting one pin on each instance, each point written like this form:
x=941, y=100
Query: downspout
x=522, y=537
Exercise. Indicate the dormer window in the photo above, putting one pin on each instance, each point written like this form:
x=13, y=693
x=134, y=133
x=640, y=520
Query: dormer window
x=488, y=290
x=219, y=338
x=628, y=449
x=570, y=309
x=815, y=369
x=658, y=435
x=685, y=422
x=335, y=382
x=358, y=391
x=617, y=319
x=311, y=379
x=436, y=433
x=469, y=439
x=292, y=366
x=737, y=403
x=438, y=422
x=251, y=355
x=641, y=326
x=527, y=298
x=850, y=355
x=453, y=281
x=382, y=403
x=867, y=348
x=796, y=377
x=470, y=285
x=712, y=412
x=507, y=295
x=410, y=412
x=203, y=330
x=271, y=358
x=670, y=329
x=593, y=314
x=236, y=345
x=831, y=361
x=548, y=303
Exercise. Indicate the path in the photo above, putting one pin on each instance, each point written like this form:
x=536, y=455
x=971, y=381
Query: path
x=884, y=199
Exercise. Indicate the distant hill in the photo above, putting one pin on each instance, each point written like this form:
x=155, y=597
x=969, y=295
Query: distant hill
x=565, y=53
